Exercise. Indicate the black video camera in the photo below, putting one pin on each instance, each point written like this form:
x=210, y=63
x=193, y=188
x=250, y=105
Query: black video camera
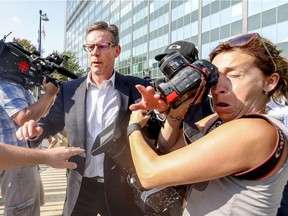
x=165, y=201
x=184, y=79
x=29, y=69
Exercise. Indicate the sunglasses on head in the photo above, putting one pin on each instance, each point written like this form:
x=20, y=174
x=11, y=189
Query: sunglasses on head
x=246, y=39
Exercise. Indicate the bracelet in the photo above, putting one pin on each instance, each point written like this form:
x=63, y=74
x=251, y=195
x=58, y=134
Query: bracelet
x=163, y=112
x=162, y=116
x=133, y=127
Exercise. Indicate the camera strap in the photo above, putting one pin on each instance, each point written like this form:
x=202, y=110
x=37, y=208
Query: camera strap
x=268, y=165
x=202, y=90
x=191, y=131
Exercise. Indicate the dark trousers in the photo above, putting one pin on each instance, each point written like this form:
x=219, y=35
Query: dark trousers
x=91, y=200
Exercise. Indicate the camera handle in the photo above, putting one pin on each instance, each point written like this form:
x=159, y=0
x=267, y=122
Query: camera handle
x=201, y=91
x=55, y=82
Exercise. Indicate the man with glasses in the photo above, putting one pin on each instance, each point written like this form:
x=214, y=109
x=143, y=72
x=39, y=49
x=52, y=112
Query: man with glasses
x=85, y=107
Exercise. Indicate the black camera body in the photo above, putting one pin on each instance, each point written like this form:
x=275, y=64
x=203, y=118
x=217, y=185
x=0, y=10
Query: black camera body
x=165, y=201
x=29, y=69
x=184, y=78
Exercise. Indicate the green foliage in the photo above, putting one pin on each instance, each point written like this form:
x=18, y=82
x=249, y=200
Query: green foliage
x=26, y=44
x=71, y=64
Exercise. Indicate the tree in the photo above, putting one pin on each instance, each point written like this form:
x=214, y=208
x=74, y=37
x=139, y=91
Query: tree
x=71, y=64
x=26, y=44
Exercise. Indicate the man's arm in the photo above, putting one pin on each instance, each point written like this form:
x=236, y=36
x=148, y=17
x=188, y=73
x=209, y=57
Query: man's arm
x=40, y=108
x=14, y=157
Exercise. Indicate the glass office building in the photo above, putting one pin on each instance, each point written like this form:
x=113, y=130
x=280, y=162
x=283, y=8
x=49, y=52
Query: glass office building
x=147, y=27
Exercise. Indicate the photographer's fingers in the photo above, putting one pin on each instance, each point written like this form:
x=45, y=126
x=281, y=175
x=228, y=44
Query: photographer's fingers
x=139, y=117
x=162, y=105
x=146, y=91
x=200, y=97
x=135, y=107
x=148, y=100
x=141, y=105
x=145, y=118
x=153, y=99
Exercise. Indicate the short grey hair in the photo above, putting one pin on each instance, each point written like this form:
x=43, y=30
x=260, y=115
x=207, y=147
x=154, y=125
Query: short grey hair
x=101, y=25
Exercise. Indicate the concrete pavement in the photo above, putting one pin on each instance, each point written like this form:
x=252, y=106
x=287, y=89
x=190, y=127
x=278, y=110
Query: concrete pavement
x=54, y=181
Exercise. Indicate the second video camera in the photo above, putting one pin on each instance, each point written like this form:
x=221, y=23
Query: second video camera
x=27, y=68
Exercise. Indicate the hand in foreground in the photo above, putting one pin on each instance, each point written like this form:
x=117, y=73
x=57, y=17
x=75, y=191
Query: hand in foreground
x=29, y=130
x=149, y=101
x=139, y=117
x=49, y=87
x=58, y=157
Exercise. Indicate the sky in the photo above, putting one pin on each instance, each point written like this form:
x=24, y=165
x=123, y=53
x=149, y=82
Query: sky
x=22, y=18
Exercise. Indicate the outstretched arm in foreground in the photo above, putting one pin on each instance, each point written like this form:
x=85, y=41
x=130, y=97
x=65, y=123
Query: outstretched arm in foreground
x=14, y=156
x=150, y=100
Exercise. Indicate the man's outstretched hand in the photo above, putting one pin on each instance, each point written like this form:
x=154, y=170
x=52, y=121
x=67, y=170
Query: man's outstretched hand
x=58, y=157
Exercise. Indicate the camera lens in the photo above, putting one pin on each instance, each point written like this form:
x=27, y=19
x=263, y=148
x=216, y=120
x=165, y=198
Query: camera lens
x=171, y=63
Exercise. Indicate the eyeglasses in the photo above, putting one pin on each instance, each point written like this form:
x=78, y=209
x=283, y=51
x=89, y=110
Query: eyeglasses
x=246, y=39
x=102, y=47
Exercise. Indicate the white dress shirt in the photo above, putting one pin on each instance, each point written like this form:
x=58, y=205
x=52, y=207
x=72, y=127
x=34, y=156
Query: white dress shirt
x=278, y=111
x=101, y=110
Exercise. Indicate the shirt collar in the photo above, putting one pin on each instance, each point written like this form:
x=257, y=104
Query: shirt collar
x=89, y=81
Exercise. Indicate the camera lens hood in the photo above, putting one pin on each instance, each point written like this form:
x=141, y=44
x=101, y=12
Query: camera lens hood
x=171, y=63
